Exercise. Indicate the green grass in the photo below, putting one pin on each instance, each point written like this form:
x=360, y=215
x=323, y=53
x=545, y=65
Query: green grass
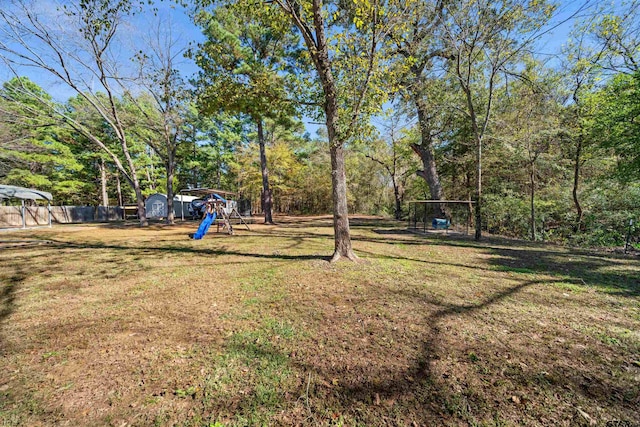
x=108, y=325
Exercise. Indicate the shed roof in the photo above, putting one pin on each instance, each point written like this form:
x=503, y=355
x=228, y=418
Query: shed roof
x=13, y=192
x=177, y=197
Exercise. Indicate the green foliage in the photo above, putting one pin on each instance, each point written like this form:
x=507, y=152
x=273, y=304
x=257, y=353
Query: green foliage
x=615, y=123
x=35, y=150
x=244, y=60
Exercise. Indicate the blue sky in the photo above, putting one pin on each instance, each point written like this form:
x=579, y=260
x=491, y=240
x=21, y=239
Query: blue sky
x=175, y=18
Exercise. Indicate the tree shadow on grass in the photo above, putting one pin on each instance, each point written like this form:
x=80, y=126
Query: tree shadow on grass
x=609, y=272
x=423, y=395
x=7, y=300
x=421, y=392
x=184, y=250
x=7, y=294
x=575, y=267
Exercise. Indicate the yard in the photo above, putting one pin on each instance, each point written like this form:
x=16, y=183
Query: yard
x=124, y=326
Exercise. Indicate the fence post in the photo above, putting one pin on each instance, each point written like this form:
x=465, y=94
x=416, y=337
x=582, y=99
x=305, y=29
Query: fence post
x=409, y=216
x=626, y=245
x=424, y=219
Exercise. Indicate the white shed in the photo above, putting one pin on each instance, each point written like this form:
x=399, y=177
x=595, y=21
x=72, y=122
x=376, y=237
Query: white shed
x=156, y=205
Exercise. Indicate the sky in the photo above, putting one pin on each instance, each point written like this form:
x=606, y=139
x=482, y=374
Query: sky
x=174, y=18
x=169, y=17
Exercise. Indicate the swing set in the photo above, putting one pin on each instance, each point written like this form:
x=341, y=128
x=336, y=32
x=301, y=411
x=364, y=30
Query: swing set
x=219, y=209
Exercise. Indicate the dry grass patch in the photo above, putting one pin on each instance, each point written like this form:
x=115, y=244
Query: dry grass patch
x=117, y=325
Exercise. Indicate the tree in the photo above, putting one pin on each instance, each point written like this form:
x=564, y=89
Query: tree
x=419, y=45
x=345, y=67
x=486, y=39
x=243, y=65
x=583, y=71
x=392, y=153
x=619, y=35
x=165, y=108
x=74, y=45
x=530, y=121
x=34, y=149
x=616, y=123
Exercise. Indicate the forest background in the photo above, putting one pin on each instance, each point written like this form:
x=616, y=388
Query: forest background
x=530, y=107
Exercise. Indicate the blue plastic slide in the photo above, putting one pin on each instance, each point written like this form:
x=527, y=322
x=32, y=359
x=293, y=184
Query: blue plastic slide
x=204, y=226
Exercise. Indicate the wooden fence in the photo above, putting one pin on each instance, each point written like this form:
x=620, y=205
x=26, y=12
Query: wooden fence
x=11, y=216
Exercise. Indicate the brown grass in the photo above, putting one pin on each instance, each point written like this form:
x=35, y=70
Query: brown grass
x=117, y=325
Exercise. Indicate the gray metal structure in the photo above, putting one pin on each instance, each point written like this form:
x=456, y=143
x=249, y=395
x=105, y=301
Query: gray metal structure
x=21, y=193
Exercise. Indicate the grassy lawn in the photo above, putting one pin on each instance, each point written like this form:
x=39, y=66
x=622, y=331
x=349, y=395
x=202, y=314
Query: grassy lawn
x=117, y=325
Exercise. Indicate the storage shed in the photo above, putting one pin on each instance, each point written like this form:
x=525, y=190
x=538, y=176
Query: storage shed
x=156, y=206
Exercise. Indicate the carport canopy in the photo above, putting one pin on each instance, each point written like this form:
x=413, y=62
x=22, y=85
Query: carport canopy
x=13, y=192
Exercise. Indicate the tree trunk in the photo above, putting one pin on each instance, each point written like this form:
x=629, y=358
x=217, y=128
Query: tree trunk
x=119, y=190
x=396, y=195
x=170, y=176
x=425, y=151
x=532, y=181
x=142, y=213
x=267, y=202
x=576, y=182
x=478, y=212
x=342, y=235
x=320, y=54
x=103, y=182
x=477, y=136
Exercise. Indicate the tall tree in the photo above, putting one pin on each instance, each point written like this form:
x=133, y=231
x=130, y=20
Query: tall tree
x=74, y=45
x=34, y=148
x=248, y=50
x=582, y=64
x=342, y=40
x=392, y=152
x=420, y=46
x=168, y=101
x=486, y=39
x=530, y=126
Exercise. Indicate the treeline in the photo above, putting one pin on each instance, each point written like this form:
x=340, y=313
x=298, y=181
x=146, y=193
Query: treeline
x=420, y=100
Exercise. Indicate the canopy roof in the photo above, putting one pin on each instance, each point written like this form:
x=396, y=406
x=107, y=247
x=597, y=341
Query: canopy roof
x=203, y=192
x=13, y=192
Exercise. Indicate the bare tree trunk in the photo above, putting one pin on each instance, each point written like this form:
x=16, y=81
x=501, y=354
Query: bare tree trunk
x=340, y=212
x=267, y=201
x=170, y=167
x=576, y=182
x=478, y=213
x=316, y=41
x=477, y=134
x=396, y=195
x=103, y=182
x=532, y=181
x=425, y=151
x=119, y=190
x=342, y=236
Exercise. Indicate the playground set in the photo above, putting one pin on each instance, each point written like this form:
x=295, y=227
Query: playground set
x=216, y=209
